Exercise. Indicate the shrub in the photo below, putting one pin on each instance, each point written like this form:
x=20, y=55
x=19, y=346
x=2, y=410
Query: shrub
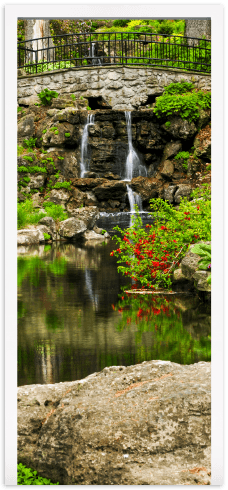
x=46, y=236
x=47, y=95
x=185, y=104
x=55, y=211
x=165, y=27
x=120, y=22
x=149, y=255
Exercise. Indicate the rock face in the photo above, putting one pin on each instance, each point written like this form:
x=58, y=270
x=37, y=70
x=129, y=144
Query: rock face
x=188, y=270
x=147, y=424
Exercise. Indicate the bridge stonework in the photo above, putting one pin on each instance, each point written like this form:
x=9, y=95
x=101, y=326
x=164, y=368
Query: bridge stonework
x=123, y=88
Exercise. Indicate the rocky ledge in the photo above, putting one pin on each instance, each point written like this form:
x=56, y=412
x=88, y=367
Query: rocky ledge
x=81, y=225
x=147, y=424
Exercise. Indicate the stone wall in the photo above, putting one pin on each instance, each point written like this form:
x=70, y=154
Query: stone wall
x=123, y=88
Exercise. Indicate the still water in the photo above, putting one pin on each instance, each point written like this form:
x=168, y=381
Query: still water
x=74, y=318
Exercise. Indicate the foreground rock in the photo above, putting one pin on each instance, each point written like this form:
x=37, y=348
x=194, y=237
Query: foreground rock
x=147, y=424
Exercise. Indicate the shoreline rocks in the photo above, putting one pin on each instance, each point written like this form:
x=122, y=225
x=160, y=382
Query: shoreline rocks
x=147, y=424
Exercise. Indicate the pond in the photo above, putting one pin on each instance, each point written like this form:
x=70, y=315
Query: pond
x=74, y=318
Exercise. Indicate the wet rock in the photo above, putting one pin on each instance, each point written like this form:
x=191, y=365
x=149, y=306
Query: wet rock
x=146, y=187
x=45, y=229
x=37, y=181
x=65, y=133
x=110, y=190
x=72, y=228
x=147, y=424
x=76, y=201
x=70, y=115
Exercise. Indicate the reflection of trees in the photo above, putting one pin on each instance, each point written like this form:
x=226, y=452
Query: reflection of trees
x=160, y=321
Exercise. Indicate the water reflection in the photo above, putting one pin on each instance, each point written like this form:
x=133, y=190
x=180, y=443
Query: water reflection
x=73, y=320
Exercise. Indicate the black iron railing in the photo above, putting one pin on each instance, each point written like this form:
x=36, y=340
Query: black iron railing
x=114, y=48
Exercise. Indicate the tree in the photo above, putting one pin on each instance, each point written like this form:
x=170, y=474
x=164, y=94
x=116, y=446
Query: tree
x=38, y=31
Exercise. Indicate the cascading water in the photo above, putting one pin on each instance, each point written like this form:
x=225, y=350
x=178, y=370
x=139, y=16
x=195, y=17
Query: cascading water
x=134, y=168
x=133, y=199
x=95, y=59
x=84, y=145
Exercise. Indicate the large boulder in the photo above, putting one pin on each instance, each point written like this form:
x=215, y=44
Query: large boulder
x=29, y=236
x=147, y=424
x=181, y=128
x=167, y=169
x=169, y=193
x=183, y=190
x=189, y=269
x=148, y=188
x=110, y=190
x=58, y=196
x=25, y=128
x=72, y=228
x=89, y=215
x=171, y=149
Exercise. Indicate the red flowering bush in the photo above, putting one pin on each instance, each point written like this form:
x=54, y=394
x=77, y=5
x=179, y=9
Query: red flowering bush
x=150, y=254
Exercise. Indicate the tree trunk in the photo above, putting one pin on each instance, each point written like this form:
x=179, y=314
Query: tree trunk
x=198, y=28
x=37, y=31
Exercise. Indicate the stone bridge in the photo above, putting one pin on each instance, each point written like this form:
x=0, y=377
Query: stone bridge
x=123, y=88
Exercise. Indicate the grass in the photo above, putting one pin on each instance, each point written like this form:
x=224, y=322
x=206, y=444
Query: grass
x=27, y=476
x=28, y=215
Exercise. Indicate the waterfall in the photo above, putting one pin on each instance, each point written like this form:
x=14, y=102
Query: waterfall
x=95, y=59
x=133, y=199
x=134, y=168
x=84, y=145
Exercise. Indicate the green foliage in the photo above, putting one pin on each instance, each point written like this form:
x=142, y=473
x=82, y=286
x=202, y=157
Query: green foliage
x=26, y=179
x=30, y=143
x=120, y=22
x=47, y=95
x=62, y=185
x=44, y=131
x=88, y=108
x=149, y=255
x=32, y=170
x=183, y=155
x=26, y=157
x=103, y=232
x=167, y=124
x=165, y=28
x=27, y=215
x=53, y=128
x=179, y=101
x=46, y=236
x=81, y=97
x=57, y=175
x=61, y=158
x=73, y=97
x=55, y=211
x=19, y=109
x=67, y=135
x=27, y=476
x=20, y=150
x=204, y=251
x=179, y=88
